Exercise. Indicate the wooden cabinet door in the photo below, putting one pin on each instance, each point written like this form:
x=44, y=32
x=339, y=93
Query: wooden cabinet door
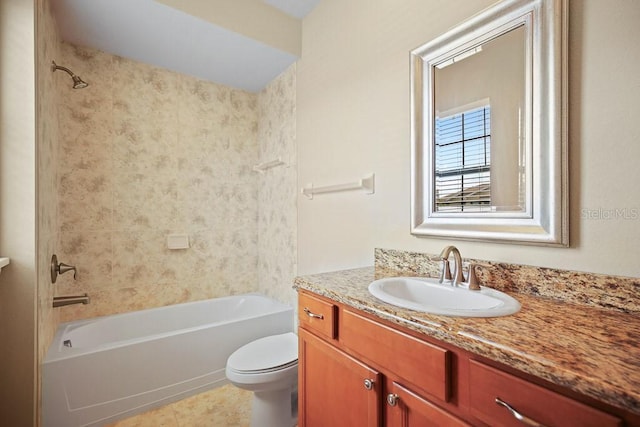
x=405, y=408
x=334, y=388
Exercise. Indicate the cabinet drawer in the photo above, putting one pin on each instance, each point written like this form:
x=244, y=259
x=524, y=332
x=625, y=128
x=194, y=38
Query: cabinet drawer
x=317, y=316
x=530, y=400
x=425, y=366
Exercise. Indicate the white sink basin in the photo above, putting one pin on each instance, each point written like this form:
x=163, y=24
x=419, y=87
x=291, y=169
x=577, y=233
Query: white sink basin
x=427, y=295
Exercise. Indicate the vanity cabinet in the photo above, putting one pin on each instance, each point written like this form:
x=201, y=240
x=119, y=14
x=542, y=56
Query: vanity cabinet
x=357, y=370
x=341, y=381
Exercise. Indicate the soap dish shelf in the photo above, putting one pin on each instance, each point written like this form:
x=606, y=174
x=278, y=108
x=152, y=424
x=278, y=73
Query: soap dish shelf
x=262, y=167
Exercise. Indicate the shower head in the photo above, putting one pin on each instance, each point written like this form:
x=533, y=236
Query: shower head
x=78, y=83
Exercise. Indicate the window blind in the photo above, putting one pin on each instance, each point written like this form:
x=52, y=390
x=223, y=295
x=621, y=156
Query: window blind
x=463, y=161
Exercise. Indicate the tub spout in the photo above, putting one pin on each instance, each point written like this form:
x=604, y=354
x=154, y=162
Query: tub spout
x=75, y=299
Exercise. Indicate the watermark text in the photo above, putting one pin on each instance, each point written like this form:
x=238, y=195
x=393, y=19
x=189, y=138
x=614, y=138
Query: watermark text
x=604, y=214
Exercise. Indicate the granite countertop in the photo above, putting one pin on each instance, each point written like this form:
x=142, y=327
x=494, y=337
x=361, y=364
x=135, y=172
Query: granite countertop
x=593, y=351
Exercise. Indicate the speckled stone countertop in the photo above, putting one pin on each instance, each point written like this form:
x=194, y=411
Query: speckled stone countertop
x=593, y=351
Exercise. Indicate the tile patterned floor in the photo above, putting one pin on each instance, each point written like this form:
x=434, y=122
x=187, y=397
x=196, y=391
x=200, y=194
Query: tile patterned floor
x=226, y=406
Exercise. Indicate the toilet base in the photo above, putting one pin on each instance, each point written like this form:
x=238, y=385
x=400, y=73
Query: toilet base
x=274, y=408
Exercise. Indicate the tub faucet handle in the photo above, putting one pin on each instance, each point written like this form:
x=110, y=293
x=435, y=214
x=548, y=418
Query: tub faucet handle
x=60, y=268
x=63, y=268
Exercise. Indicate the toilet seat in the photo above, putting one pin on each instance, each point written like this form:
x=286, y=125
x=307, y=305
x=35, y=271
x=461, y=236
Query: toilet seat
x=269, y=354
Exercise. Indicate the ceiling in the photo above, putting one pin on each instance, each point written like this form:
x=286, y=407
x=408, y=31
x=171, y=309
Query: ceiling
x=241, y=43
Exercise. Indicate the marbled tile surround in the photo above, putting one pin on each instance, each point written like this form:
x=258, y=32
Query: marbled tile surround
x=593, y=351
x=145, y=152
x=277, y=188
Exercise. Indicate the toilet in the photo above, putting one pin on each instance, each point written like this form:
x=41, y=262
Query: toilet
x=268, y=367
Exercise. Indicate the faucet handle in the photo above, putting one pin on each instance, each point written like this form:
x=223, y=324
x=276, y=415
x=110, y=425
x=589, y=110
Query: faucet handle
x=63, y=268
x=60, y=268
x=445, y=271
x=472, y=279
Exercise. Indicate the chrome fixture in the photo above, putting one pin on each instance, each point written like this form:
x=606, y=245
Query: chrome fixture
x=458, y=276
x=312, y=314
x=60, y=268
x=75, y=299
x=78, y=83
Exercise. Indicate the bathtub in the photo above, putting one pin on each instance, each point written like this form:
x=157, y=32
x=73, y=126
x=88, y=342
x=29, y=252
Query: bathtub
x=104, y=369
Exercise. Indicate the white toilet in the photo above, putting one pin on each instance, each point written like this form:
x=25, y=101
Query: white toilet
x=268, y=367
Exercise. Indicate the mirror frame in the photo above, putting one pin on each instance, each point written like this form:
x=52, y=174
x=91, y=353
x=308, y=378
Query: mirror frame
x=545, y=219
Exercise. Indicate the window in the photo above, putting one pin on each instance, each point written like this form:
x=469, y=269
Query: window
x=463, y=161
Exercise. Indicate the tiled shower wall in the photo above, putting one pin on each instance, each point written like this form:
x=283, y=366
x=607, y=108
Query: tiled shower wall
x=146, y=152
x=277, y=212
x=49, y=86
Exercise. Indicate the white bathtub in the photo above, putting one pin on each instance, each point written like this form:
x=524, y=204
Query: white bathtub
x=104, y=369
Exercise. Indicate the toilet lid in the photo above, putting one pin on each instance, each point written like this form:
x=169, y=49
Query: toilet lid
x=266, y=354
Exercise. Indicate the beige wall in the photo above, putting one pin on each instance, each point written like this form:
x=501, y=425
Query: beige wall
x=353, y=118
x=28, y=206
x=17, y=213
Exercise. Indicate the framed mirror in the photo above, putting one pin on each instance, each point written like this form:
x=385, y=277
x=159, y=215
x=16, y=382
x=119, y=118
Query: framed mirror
x=489, y=127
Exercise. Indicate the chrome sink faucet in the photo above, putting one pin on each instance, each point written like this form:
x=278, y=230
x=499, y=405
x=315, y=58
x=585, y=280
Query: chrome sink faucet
x=458, y=276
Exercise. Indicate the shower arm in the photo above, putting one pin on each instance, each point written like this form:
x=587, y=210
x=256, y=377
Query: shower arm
x=55, y=67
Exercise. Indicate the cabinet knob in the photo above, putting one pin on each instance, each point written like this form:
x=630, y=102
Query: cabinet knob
x=368, y=384
x=392, y=399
